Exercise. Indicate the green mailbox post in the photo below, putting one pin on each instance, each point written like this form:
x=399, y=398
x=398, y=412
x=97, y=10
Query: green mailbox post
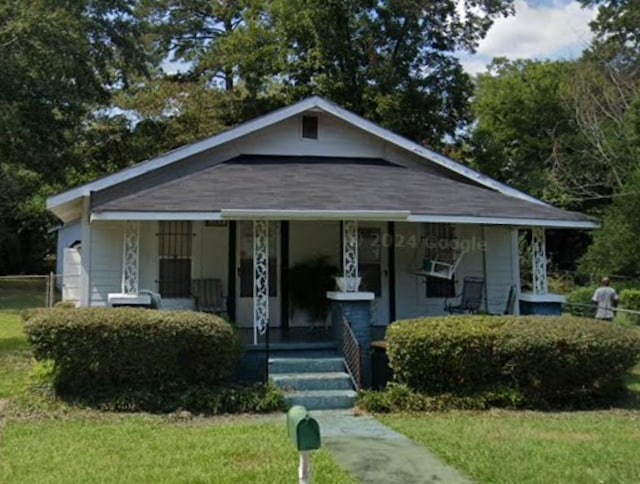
x=304, y=433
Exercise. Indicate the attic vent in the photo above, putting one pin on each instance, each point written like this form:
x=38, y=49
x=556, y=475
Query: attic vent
x=310, y=127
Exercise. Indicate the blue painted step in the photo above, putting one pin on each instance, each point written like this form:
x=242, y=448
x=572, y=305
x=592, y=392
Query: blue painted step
x=305, y=365
x=322, y=399
x=313, y=381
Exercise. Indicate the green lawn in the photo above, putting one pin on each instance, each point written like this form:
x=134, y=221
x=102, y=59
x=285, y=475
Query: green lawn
x=41, y=442
x=145, y=449
x=15, y=361
x=45, y=442
x=532, y=447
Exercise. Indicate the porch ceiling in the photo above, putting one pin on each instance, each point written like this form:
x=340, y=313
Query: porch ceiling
x=276, y=183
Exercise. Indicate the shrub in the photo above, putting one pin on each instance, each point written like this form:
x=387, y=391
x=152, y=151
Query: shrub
x=548, y=360
x=630, y=299
x=582, y=296
x=566, y=359
x=444, y=354
x=216, y=400
x=65, y=305
x=397, y=397
x=96, y=348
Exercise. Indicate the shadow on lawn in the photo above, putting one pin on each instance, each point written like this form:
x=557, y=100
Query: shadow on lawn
x=12, y=345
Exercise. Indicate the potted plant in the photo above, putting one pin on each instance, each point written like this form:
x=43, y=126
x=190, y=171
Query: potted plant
x=348, y=284
x=309, y=282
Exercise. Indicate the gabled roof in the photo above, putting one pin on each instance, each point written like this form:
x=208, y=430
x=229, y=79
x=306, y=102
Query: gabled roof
x=310, y=104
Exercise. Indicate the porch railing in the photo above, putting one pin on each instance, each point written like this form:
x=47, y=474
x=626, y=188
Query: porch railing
x=352, y=354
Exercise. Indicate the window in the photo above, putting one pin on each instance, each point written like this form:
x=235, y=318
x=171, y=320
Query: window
x=439, y=245
x=175, y=240
x=310, y=127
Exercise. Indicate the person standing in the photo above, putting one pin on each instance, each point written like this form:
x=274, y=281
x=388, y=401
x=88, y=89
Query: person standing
x=605, y=298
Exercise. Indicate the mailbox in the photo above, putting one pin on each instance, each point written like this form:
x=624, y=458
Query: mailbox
x=304, y=431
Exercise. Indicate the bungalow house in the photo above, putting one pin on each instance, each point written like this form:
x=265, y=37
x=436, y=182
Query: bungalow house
x=233, y=214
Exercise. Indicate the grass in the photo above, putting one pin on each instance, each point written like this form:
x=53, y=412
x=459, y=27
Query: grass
x=532, y=447
x=504, y=447
x=45, y=441
x=15, y=360
x=147, y=449
x=41, y=441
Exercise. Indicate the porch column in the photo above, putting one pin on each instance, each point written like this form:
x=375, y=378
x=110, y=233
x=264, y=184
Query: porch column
x=353, y=308
x=540, y=301
x=260, y=278
x=350, y=255
x=539, y=262
x=130, y=257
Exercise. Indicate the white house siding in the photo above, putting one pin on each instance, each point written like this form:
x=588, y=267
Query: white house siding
x=335, y=138
x=210, y=256
x=411, y=300
x=106, y=261
x=210, y=252
x=501, y=267
x=313, y=239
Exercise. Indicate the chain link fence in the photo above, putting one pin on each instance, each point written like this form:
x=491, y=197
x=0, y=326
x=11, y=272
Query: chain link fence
x=32, y=291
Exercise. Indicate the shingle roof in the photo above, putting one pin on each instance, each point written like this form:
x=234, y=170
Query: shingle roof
x=316, y=183
x=313, y=103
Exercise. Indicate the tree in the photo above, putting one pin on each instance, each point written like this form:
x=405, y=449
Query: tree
x=523, y=126
x=58, y=61
x=389, y=61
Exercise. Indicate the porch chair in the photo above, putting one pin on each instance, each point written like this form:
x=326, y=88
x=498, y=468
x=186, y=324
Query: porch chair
x=470, y=299
x=208, y=296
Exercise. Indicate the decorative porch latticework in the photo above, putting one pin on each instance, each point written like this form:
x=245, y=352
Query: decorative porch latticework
x=130, y=257
x=350, y=249
x=260, y=277
x=538, y=244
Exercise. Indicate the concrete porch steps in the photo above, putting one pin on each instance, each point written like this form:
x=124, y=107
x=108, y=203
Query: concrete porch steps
x=313, y=381
x=304, y=364
x=318, y=383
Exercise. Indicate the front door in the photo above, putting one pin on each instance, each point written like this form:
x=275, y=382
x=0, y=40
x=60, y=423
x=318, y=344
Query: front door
x=244, y=271
x=373, y=267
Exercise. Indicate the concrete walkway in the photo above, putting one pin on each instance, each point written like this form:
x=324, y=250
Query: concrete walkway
x=374, y=453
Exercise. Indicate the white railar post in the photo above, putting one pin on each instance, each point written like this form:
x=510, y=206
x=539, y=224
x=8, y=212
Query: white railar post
x=260, y=278
x=350, y=253
x=304, y=469
x=130, y=257
x=538, y=244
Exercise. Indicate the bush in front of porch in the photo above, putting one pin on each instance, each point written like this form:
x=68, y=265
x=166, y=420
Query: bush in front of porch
x=139, y=359
x=481, y=361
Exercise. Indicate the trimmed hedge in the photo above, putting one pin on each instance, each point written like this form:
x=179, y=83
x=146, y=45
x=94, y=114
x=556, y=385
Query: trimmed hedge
x=548, y=360
x=582, y=295
x=97, y=348
x=630, y=299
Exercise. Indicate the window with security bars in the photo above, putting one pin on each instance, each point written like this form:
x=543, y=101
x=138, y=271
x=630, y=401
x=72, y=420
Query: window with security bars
x=175, y=243
x=439, y=241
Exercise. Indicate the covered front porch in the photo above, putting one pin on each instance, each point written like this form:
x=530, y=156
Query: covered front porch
x=249, y=270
